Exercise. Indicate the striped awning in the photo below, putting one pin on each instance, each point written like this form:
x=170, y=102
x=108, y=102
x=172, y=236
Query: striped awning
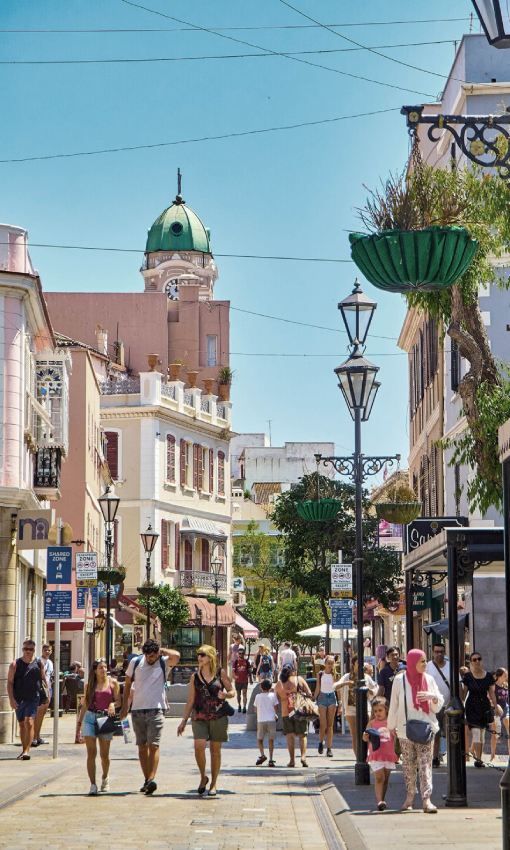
x=202, y=528
x=201, y=609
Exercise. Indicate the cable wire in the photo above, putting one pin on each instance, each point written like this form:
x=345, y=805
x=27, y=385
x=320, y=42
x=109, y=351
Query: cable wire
x=273, y=52
x=370, y=49
x=198, y=139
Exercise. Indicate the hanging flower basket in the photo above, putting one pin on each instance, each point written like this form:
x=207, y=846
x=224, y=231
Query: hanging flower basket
x=147, y=590
x=318, y=510
x=398, y=512
x=408, y=260
x=114, y=576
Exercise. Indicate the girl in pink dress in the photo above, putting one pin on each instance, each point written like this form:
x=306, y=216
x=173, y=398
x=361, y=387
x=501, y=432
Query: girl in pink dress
x=381, y=751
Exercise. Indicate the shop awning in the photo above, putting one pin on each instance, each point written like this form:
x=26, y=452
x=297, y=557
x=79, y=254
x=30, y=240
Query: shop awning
x=248, y=629
x=201, y=609
x=202, y=528
x=440, y=627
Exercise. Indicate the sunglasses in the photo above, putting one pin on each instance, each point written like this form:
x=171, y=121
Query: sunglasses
x=201, y=654
x=29, y=649
x=476, y=658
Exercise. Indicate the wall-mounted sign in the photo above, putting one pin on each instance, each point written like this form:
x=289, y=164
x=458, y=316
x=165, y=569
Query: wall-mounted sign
x=81, y=597
x=86, y=569
x=58, y=604
x=32, y=529
x=341, y=581
x=238, y=584
x=59, y=564
x=341, y=613
x=421, y=530
x=421, y=598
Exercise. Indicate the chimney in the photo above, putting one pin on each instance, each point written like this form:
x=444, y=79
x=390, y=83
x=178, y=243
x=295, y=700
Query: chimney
x=101, y=340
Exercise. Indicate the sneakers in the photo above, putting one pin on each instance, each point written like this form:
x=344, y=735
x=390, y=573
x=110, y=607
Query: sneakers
x=260, y=760
x=105, y=784
x=93, y=792
x=382, y=806
x=150, y=787
x=329, y=753
x=320, y=748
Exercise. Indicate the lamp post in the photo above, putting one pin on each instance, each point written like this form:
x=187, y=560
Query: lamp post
x=495, y=20
x=149, y=539
x=109, y=504
x=216, y=565
x=357, y=382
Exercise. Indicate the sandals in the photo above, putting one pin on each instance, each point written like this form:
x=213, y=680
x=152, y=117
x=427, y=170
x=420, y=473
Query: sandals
x=271, y=763
x=260, y=760
x=203, y=785
x=291, y=764
x=212, y=792
x=304, y=762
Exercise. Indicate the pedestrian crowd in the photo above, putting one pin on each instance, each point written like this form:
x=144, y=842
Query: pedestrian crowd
x=407, y=701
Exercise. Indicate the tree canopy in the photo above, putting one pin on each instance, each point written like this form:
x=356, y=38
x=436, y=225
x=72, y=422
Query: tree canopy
x=281, y=619
x=171, y=607
x=255, y=558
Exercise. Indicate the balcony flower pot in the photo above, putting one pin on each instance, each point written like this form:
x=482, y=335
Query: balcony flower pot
x=174, y=371
x=153, y=361
x=398, y=512
x=318, y=510
x=225, y=376
x=116, y=575
x=432, y=258
x=192, y=378
x=208, y=386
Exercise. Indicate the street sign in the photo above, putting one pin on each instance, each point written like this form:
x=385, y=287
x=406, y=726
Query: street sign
x=58, y=604
x=89, y=625
x=59, y=564
x=341, y=614
x=81, y=597
x=422, y=529
x=86, y=569
x=341, y=581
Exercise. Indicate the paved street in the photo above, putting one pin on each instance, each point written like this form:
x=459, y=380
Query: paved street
x=318, y=808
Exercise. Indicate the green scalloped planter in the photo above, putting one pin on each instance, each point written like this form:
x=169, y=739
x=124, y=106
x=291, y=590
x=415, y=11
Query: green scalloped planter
x=147, y=591
x=406, y=260
x=398, y=512
x=112, y=576
x=318, y=510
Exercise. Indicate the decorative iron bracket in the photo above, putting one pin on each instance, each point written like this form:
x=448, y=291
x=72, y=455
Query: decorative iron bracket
x=351, y=467
x=484, y=139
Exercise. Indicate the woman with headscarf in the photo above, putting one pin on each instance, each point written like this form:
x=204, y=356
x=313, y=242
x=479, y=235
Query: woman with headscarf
x=415, y=696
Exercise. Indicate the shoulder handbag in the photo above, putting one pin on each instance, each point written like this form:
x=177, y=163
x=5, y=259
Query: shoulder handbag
x=417, y=731
x=304, y=705
x=107, y=725
x=224, y=709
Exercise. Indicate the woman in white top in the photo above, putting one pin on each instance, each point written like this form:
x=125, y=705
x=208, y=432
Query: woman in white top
x=327, y=703
x=347, y=686
x=423, y=701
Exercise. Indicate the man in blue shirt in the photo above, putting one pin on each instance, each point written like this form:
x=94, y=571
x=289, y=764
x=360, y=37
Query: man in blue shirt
x=386, y=676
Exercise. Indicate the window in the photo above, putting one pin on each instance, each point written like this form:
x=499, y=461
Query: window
x=165, y=544
x=211, y=471
x=204, y=470
x=188, y=555
x=454, y=366
x=112, y=453
x=221, y=473
x=212, y=350
x=189, y=465
x=177, y=546
x=205, y=555
x=182, y=461
x=196, y=476
x=170, y=458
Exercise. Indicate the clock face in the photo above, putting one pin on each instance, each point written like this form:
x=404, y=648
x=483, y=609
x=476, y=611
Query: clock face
x=172, y=289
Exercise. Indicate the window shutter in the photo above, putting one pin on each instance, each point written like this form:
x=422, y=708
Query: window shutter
x=221, y=473
x=164, y=545
x=200, y=462
x=205, y=555
x=188, y=555
x=177, y=547
x=195, y=465
x=182, y=460
x=211, y=471
x=112, y=453
x=115, y=541
x=170, y=458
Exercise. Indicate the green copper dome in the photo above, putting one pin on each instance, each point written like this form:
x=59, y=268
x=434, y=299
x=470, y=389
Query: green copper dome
x=178, y=228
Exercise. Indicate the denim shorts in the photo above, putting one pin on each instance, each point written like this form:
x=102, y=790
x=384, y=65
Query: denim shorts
x=88, y=729
x=27, y=708
x=326, y=700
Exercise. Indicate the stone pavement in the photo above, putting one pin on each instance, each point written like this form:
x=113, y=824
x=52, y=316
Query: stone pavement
x=259, y=808
x=256, y=809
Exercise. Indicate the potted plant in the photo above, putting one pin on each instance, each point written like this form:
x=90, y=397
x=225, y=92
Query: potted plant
x=115, y=575
x=400, y=505
x=174, y=370
x=318, y=509
x=225, y=376
x=148, y=589
x=153, y=361
x=192, y=378
x=208, y=386
x=418, y=239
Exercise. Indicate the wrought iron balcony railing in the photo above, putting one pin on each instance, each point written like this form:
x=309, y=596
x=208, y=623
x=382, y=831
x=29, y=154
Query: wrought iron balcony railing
x=47, y=468
x=198, y=580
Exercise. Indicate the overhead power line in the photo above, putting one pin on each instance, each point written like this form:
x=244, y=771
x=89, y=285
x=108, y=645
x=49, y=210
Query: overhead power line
x=366, y=47
x=304, y=324
x=34, y=30
x=198, y=139
x=272, y=52
x=207, y=57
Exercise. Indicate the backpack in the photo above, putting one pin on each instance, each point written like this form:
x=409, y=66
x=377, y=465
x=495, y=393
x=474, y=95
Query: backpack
x=162, y=664
x=266, y=664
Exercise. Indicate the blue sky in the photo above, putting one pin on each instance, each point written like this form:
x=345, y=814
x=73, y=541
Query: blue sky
x=290, y=193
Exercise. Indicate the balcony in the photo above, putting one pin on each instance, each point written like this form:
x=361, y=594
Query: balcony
x=47, y=472
x=196, y=581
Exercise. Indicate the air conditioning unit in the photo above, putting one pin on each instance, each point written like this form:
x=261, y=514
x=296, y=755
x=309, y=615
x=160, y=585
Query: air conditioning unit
x=239, y=598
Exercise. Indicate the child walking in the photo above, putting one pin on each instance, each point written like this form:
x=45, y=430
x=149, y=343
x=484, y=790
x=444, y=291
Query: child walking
x=265, y=704
x=381, y=751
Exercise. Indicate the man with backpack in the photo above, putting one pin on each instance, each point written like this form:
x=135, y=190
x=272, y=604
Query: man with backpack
x=265, y=668
x=25, y=680
x=145, y=678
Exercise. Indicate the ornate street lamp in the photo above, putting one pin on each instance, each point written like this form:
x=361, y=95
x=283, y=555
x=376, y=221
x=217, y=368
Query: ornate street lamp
x=216, y=568
x=495, y=19
x=149, y=539
x=357, y=311
x=109, y=504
